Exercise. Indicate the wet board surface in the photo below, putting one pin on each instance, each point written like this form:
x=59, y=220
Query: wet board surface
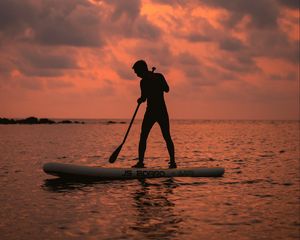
x=87, y=172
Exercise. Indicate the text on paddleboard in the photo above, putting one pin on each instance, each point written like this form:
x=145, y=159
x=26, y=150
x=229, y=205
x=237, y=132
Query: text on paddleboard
x=144, y=173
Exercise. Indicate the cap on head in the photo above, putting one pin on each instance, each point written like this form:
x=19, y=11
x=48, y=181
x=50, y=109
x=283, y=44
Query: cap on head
x=140, y=65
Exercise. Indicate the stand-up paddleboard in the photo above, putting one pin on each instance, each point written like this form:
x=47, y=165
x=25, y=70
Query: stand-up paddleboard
x=85, y=172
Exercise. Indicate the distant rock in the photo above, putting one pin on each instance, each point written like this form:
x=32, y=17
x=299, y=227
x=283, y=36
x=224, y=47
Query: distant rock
x=77, y=122
x=30, y=120
x=111, y=122
x=71, y=122
x=66, y=122
x=114, y=122
x=46, y=121
x=34, y=120
x=7, y=121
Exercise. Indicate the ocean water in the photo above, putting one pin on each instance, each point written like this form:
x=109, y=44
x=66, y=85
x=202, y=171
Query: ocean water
x=258, y=197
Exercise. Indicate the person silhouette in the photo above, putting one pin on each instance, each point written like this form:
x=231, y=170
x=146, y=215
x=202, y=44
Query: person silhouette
x=153, y=85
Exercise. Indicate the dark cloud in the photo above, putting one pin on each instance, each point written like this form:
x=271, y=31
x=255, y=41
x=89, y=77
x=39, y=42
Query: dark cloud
x=231, y=44
x=193, y=71
x=129, y=8
x=56, y=34
x=33, y=84
x=239, y=63
x=44, y=59
x=141, y=28
x=263, y=13
x=171, y=2
x=187, y=59
x=58, y=84
x=15, y=15
x=5, y=67
x=291, y=76
x=130, y=24
x=155, y=53
x=198, y=37
x=144, y=29
x=73, y=23
x=200, y=73
x=226, y=42
x=124, y=71
x=29, y=71
x=212, y=76
x=273, y=44
x=67, y=22
x=294, y=4
x=201, y=30
x=123, y=19
x=78, y=23
x=263, y=37
x=42, y=62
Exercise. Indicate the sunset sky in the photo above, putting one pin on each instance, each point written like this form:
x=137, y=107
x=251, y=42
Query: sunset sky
x=223, y=59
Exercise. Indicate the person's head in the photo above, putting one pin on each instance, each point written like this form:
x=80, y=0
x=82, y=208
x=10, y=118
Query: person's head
x=140, y=68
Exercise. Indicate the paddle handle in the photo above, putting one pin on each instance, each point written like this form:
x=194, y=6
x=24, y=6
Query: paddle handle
x=136, y=110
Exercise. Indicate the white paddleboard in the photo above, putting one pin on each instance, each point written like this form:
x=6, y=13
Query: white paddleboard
x=82, y=172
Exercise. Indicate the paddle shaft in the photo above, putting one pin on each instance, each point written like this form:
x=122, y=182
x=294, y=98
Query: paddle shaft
x=136, y=110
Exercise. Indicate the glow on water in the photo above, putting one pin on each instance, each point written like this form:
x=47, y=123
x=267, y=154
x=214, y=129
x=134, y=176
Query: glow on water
x=258, y=197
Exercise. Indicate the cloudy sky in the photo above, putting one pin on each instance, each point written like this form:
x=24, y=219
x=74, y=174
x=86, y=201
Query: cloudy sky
x=222, y=59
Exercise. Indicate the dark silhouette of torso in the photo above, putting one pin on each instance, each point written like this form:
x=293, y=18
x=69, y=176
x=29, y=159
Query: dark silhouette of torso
x=153, y=86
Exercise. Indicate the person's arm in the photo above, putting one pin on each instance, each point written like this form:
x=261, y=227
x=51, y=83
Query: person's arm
x=165, y=85
x=143, y=94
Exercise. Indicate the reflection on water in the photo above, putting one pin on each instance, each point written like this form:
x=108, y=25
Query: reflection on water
x=154, y=216
x=155, y=211
x=258, y=197
x=64, y=185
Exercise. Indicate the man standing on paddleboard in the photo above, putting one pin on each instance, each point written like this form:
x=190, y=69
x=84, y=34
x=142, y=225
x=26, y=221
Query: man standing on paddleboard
x=153, y=85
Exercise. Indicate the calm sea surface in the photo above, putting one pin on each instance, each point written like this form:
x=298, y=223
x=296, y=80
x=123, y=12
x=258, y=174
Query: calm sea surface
x=258, y=197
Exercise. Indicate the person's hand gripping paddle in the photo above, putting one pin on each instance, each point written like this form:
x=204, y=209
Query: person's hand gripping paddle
x=115, y=154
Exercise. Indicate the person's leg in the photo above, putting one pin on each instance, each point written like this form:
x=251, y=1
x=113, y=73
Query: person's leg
x=165, y=129
x=147, y=124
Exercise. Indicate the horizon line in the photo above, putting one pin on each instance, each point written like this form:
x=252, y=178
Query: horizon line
x=199, y=119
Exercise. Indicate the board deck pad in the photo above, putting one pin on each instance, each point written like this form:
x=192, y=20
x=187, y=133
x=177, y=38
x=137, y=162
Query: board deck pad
x=87, y=172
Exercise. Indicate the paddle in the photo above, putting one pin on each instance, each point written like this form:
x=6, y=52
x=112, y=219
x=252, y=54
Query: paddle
x=115, y=154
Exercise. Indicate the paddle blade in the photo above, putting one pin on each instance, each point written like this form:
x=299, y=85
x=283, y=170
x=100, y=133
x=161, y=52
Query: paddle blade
x=115, y=154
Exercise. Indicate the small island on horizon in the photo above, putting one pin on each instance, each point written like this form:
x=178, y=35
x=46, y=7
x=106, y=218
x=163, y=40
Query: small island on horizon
x=35, y=120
